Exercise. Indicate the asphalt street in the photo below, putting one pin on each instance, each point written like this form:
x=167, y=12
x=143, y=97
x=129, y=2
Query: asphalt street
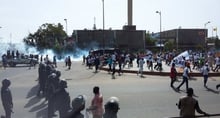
x=147, y=97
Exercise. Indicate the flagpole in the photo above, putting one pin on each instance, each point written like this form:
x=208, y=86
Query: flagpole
x=212, y=32
x=216, y=31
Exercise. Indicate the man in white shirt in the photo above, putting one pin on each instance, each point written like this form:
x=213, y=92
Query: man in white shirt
x=185, y=76
x=195, y=61
x=141, y=66
x=205, y=72
x=217, y=64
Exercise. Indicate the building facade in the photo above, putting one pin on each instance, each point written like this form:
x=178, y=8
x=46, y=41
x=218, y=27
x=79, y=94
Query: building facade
x=131, y=39
x=186, y=38
x=122, y=39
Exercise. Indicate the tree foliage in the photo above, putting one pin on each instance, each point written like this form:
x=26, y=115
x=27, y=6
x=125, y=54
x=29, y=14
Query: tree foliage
x=48, y=36
x=150, y=42
x=169, y=46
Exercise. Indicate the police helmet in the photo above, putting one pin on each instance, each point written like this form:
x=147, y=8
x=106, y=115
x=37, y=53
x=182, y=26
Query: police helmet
x=42, y=66
x=78, y=104
x=52, y=70
x=63, y=84
x=52, y=78
x=112, y=104
x=52, y=75
x=58, y=73
x=6, y=82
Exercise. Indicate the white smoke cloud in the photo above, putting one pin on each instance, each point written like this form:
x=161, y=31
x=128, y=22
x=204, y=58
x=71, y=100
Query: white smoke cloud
x=27, y=50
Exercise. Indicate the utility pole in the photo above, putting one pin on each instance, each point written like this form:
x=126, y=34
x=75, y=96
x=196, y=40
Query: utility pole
x=103, y=26
x=206, y=40
x=159, y=12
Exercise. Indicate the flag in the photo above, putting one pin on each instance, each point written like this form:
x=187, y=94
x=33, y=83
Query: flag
x=179, y=59
x=215, y=29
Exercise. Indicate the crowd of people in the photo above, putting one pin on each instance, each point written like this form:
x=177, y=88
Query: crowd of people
x=117, y=62
x=204, y=66
x=53, y=88
x=187, y=104
x=194, y=61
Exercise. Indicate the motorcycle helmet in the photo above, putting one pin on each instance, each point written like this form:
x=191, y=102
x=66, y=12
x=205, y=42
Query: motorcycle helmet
x=63, y=84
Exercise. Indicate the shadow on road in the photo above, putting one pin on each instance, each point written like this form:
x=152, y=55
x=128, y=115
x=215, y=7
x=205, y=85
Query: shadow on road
x=32, y=94
x=42, y=113
x=38, y=107
x=32, y=102
x=175, y=90
x=33, y=91
x=212, y=90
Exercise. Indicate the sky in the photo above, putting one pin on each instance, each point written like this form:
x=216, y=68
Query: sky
x=18, y=18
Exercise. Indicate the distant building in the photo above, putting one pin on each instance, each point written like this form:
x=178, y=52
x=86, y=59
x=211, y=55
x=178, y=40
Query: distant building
x=131, y=39
x=123, y=39
x=186, y=38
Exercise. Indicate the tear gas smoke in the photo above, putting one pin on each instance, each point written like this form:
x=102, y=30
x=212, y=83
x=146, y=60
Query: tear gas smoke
x=27, y=50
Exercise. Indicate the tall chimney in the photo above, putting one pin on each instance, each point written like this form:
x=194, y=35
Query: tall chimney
x=130, y=13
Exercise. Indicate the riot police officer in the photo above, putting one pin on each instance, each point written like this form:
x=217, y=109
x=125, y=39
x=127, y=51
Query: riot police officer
x=111, y=108
x=41, y=78
x=78, y=104
x=49, y=70
x=6, y=98
x=62, y=99
x=53, y=86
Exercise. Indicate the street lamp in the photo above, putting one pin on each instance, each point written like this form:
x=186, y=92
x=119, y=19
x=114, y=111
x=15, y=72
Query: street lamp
x=159, y=12
x=206, y=42
x=205, y=28
x=103, y=25
x=66, y=26
x=206, y=24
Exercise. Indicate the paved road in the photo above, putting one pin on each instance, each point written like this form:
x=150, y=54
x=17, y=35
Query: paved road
x=148, y=97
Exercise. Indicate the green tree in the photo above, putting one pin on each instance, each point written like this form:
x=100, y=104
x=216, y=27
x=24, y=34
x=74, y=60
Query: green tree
x=48, y=36
x=200, y=47
x=149, y=42
x=169, y=46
